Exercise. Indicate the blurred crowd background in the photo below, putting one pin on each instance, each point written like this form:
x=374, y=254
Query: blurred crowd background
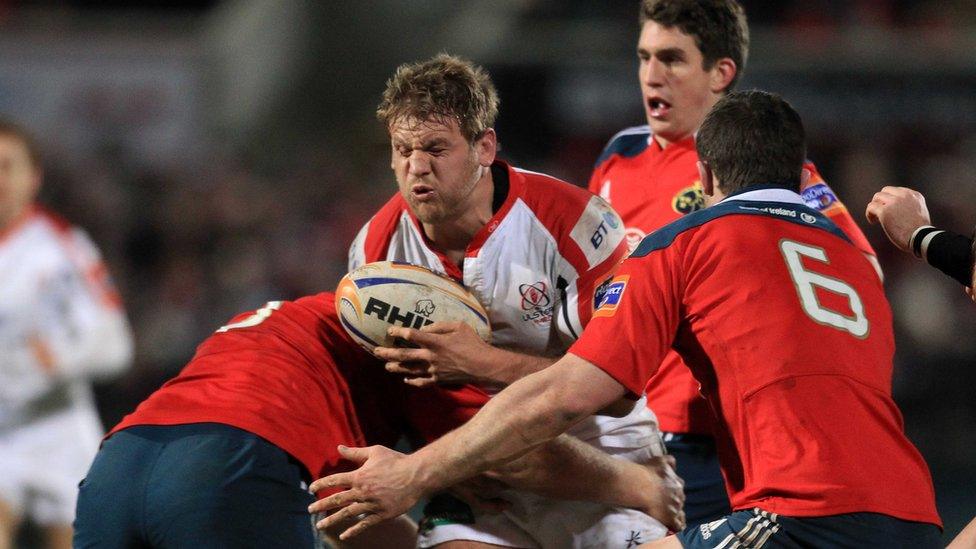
x=223, y=154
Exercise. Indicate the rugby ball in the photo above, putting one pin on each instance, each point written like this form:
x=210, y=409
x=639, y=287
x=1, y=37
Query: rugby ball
x=378, y=295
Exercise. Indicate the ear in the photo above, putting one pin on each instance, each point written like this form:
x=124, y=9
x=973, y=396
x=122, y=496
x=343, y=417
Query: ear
x=707, y=178
x=487, y=147
x=722, y=75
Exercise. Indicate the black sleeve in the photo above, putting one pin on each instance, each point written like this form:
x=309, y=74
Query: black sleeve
x=952, y=254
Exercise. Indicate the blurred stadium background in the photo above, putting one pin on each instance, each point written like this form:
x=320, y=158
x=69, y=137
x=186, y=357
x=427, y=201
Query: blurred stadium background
x=225, y=153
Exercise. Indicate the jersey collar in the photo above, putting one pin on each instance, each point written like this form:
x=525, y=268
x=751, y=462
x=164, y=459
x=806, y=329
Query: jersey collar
x=764, y=193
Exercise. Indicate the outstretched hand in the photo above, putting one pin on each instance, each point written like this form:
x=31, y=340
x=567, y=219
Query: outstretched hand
x=444, y=352
x=384, y=486
x=900, y=211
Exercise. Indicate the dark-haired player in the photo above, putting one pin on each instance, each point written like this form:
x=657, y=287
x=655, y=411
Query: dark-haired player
x=809, y=438
x=691, y=53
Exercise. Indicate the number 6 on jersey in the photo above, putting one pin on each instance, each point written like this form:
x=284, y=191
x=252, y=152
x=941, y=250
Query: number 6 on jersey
x=856, y=325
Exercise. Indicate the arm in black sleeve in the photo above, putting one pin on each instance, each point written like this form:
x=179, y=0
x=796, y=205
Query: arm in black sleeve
x=948, y=252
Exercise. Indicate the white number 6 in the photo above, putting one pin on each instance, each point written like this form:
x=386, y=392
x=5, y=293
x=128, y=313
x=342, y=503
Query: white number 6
x=805, y=281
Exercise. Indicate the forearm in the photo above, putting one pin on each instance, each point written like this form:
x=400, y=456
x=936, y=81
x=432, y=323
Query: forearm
x=949, y=252
x=525, y=415
x=568, y=468
x=505, y=367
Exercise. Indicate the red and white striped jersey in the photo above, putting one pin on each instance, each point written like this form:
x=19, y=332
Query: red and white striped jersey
x=535, y=266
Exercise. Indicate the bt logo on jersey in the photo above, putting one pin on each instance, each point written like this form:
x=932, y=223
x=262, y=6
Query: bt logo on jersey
x=599, y=235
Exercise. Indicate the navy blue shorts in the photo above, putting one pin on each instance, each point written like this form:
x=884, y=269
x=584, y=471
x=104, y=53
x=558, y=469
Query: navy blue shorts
x=697, y=464
x=202, y=485
x=756, y=528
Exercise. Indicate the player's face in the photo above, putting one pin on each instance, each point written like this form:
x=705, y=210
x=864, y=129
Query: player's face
x=19, y=179
x=436, y=168
x=677, y=91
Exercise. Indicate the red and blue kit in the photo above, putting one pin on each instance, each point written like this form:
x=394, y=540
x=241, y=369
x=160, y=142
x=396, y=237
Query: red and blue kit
x=785, y=324
x=650, y=186
x=288, y=373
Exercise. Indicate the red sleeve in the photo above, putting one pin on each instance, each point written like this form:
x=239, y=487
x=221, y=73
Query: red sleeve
x=635, y=326
x=819, y=196
x=592, y=284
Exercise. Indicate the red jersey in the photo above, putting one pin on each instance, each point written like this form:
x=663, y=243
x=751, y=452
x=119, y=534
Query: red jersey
x=289, y=374
x=651, y=187
x=787, y=327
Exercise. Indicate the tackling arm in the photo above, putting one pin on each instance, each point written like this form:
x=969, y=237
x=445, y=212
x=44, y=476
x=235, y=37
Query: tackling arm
x=531, y=411
x=567, y=468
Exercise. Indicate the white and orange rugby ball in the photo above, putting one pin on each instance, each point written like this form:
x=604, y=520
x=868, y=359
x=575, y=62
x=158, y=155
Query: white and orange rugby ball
x=378, y=295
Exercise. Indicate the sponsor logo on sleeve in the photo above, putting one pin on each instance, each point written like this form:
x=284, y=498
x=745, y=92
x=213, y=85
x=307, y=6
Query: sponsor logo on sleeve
x=611, y=297
x=818, y=197
x=601, y=292
x=610, y=221
x=597, y=232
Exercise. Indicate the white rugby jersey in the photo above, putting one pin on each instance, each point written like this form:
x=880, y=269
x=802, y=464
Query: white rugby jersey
x=60, y=318
x=536, y=266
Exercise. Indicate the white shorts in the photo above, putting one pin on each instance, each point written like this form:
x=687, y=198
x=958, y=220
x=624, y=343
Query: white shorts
x=42, y=462
x=534, y=522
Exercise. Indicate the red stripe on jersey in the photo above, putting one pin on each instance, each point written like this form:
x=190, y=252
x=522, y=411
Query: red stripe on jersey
x=381, y=226
x=557, y=216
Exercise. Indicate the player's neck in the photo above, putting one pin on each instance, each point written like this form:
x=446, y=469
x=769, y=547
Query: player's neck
x=14, y=219
x=664, y=142
x=454, y=236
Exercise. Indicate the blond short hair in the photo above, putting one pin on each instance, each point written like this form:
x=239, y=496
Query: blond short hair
x=444, y=87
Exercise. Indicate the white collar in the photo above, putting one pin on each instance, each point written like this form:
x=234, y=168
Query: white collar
x=768, y=195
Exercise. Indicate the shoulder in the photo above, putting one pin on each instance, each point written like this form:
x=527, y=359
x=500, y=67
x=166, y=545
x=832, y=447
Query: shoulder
x=791, y=213
x=374, y=238
x=50, y=231
x=586, y=229
x=627, y=143
x=389, y=214
x=547, y=194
